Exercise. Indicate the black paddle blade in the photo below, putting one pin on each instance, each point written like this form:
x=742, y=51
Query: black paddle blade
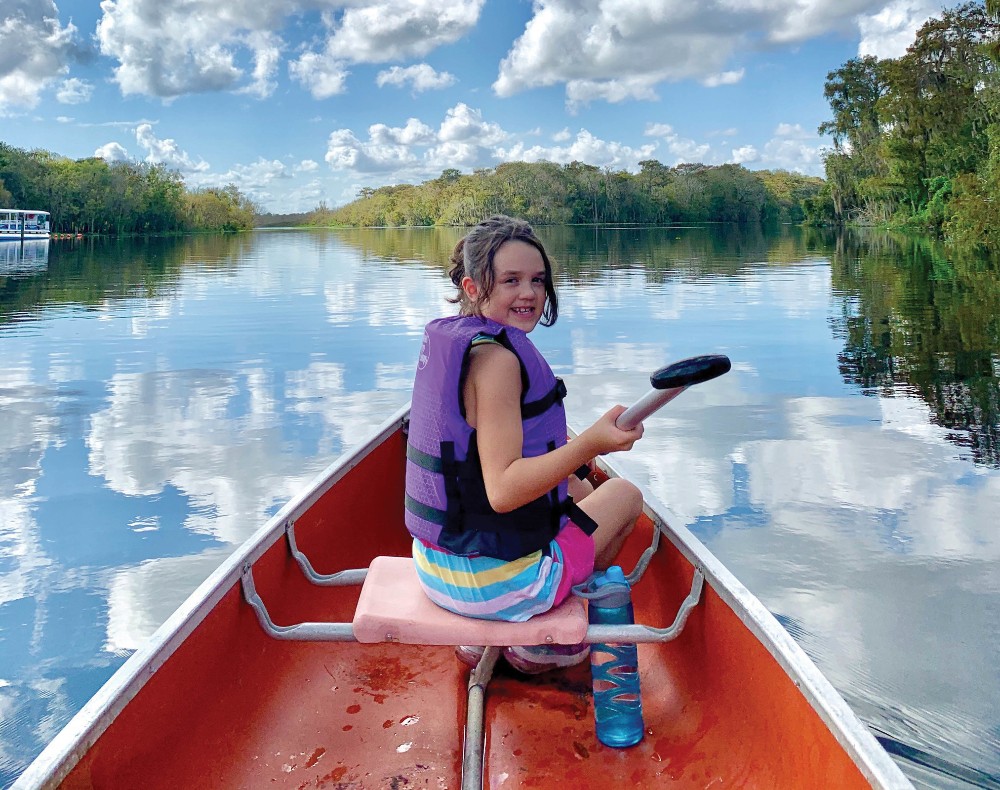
x=692, y=370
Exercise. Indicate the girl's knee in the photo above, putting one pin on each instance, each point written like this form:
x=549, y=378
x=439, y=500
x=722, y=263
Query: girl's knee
x=628, y=494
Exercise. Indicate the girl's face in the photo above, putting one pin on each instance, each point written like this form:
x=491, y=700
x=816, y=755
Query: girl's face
x=518, y=287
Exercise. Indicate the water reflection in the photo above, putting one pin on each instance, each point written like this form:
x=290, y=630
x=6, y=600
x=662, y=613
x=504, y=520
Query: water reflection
x=659, y=252
x=162, y=398
x=922, y=318
x=160, y=401
x=432, y=246
x=22, y=259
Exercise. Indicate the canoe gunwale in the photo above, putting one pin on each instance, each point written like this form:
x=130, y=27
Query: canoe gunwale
x=62, y=754
x=851, y=733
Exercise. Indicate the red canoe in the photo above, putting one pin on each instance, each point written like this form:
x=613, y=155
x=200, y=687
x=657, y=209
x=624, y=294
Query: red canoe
x=221, y=698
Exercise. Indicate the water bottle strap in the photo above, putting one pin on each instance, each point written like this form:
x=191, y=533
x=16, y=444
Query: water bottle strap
x=587, y=590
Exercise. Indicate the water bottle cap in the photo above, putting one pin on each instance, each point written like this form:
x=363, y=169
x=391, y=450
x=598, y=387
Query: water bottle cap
x=610, y=587
x=613, y=575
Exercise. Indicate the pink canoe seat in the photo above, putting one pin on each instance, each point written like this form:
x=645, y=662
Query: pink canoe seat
x=394, y=608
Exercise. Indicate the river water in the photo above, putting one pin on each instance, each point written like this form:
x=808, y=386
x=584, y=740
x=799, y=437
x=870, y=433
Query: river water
x=160, y=399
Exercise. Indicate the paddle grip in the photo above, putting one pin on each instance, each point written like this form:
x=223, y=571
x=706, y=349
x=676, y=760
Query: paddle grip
x=645, y=406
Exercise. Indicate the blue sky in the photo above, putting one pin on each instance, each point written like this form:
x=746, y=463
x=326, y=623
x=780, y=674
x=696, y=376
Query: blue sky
x=302, y=101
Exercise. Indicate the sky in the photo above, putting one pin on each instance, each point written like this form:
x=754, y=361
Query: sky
x=299, y=102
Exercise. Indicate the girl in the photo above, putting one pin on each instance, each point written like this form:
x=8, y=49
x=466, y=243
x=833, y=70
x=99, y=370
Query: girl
x=496, y=533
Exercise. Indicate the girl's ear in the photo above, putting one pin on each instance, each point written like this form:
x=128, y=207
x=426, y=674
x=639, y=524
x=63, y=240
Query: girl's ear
x=470, y=289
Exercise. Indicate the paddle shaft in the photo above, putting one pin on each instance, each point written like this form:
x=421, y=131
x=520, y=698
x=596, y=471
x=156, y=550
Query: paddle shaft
x=671, y=381
x=646, y=405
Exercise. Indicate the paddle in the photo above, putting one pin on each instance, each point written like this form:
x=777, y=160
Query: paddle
x=671, y=381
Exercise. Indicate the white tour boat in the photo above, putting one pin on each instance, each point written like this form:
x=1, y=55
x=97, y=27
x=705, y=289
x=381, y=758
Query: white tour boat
x=16, y=224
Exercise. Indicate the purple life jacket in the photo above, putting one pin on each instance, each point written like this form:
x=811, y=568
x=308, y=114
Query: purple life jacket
x=446, y=502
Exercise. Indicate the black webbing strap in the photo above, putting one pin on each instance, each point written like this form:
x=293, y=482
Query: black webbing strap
x=579, y=517
x=555, y=506
x=503, y=340
x=546, y=402
x=450, y=470
x=455, y=471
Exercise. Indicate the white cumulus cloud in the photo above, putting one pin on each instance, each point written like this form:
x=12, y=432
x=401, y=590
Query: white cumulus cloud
x=416, y=151
x=35, y=50
x=793, y=130
x=166, y=151
x=415, y=132
x=397, y=29
x=266, y=48
x=890, y=30
x=167, y=48
x=420, y=78
x=681, y=149
x=380, y=32
x=255, y=180
x=784, y=153
x=745, y=154
x=462, y=122
x=585, y=147
x=323, y=76
x=74, y=91
x=112, y=152
x=615, y=50
x=724, y=78
x=346, y=152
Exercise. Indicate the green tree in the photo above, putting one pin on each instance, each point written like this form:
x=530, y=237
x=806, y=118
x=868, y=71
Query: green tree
x=912, y=140
x=652, y=182
x=733, y=194
x=974, y=212
x=224, y=209
x=585, y=192
x=933, y=109
x=854, y=91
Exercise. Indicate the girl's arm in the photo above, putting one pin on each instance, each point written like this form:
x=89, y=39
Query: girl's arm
x=493, y=407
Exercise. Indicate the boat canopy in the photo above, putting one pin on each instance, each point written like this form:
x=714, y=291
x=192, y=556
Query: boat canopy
x=18, y=223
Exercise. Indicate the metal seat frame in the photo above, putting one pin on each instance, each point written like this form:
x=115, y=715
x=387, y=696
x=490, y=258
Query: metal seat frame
x=479, y=678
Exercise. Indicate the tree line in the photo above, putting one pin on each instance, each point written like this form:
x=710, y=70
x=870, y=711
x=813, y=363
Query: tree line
x=116, y=198
x=546, y=193
x=916, y=139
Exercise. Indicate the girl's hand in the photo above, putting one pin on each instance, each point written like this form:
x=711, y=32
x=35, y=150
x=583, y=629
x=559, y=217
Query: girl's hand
x=608, y=437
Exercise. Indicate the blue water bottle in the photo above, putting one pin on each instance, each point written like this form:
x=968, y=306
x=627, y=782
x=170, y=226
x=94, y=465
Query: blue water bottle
x=614, y=667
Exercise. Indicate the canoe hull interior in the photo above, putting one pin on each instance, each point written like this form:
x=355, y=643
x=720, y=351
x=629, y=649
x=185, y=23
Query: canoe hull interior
x=225, y=706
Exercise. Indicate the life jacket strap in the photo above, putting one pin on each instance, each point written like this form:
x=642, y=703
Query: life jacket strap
x=465, y=471
x=424, y=460
x=450, y=469
x=546, y=402
x=579, y=516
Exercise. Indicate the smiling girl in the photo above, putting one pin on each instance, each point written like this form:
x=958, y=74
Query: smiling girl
x=501, y=528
